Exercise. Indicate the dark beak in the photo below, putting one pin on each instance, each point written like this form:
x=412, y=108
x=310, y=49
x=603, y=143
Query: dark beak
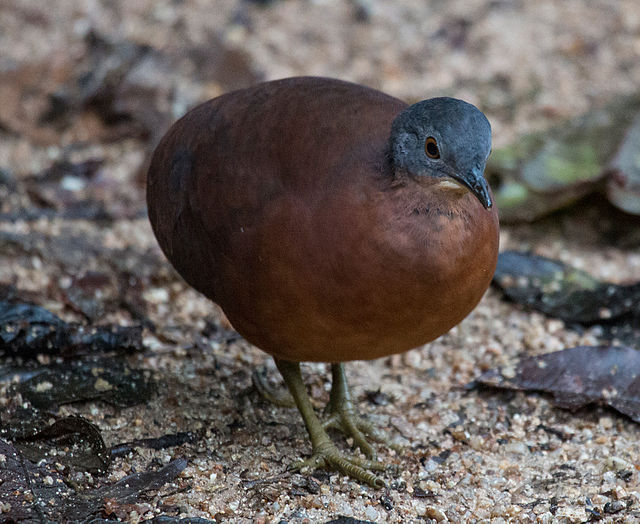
x=477, y=184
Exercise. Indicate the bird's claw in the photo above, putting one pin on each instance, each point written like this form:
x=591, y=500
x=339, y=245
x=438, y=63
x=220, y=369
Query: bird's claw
x=351, y=424
x=327, y=456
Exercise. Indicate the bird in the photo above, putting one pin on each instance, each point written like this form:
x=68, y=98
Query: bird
x=331, y=222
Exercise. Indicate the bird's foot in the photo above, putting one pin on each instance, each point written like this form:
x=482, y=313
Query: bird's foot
x=327, y=456
x=341, y=413
x=352, y=425
x=343, y=416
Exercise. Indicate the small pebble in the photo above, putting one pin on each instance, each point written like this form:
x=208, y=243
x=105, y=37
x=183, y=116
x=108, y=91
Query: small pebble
x=618, y=464
x=517, y=447
x=435, y=513
x=371, y=513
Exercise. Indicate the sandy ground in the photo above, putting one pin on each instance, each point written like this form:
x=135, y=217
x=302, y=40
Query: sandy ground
x=469, y=456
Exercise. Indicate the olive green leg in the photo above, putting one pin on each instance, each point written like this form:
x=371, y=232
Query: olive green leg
x=344, y=417
x=279, y=397
x=324, y=452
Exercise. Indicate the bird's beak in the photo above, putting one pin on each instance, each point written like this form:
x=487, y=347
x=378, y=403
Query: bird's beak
x=477, y=184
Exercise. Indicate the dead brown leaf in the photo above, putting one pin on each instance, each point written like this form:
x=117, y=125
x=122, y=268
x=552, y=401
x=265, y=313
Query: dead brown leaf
x=577, y=377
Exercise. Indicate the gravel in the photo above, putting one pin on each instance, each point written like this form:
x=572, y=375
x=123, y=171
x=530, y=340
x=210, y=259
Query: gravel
x=470, y=456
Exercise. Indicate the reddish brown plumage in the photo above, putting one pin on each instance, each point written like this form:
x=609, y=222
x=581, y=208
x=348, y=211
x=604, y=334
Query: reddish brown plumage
x=280, y=203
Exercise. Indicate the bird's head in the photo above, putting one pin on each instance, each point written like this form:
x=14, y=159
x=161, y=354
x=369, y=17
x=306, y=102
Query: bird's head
x=444, y=138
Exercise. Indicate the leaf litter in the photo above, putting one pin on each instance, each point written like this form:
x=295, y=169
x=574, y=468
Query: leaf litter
x=543, y=172
x=577, y=377
x=28, y=330
x=39, y=492
x=570, y=294
x=561, y=291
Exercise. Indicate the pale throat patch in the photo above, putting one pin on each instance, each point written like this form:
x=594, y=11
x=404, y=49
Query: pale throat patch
x=452, y=186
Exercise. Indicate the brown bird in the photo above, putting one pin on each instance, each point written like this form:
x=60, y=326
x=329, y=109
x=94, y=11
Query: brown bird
x=330, y=222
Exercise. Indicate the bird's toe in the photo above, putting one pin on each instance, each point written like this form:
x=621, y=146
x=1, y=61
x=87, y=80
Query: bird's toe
x=327, y=456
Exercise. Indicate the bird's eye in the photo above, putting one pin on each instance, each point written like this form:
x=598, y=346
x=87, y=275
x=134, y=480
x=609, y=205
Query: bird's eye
x=431, y=148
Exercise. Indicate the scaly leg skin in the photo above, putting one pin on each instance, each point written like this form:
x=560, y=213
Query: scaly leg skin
x=324, y=452
x=279, y=397
x=344, y=417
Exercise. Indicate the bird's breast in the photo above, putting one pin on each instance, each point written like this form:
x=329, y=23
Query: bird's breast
x=368, y=274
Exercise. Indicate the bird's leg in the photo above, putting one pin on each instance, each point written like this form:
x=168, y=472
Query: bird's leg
x=344, y=417
x=279, y=397
x=324, y=452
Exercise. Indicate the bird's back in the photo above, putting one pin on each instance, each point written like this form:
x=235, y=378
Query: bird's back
x=227, y=161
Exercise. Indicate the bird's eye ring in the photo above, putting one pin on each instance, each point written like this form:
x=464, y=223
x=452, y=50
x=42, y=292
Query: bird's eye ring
x=431, y=148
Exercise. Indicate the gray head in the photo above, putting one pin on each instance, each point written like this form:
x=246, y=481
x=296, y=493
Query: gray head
x=444, y=137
